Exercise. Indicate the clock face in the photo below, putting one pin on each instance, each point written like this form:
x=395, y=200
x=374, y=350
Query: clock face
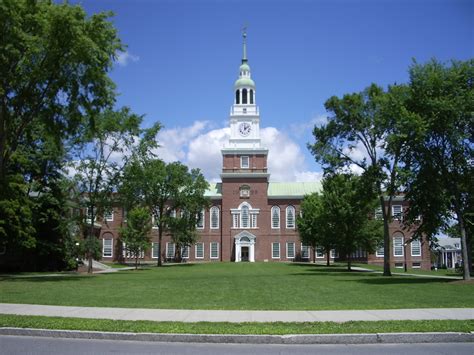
x=245, y=128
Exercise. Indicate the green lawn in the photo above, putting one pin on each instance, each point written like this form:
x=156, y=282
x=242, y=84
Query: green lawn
x=252, y=286
x=439, y=272
x=279, y=328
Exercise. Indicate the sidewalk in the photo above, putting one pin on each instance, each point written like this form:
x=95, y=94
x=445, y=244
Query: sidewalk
x=175, y=315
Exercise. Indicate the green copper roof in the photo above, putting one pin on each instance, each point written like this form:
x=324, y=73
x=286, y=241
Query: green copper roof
x=244, y=82
x=245, y=67
x=293, y=189
x=214, y=190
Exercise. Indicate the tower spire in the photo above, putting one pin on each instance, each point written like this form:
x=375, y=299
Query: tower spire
x=244, y=36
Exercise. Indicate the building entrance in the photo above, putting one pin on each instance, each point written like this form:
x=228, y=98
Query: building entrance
x=245, y=253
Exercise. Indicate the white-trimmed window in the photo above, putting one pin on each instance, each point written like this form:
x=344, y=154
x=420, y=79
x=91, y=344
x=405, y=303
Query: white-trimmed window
x=380, y=252
x=275, y=250
x=214, y=248
x=89, y=212
x=415, y=248
x=416, y=265
x=173, y=213
x=107, y=247
x=253, y=220
x=109, y=215
x=275, y=217
x=304, y=251
x=244, y=162
x=154, y=222
x=290, y=217
x=334, y=254
x=398, y=246
x=290, y=250
x=200, y=220
x=244, y=217
x=319, y=253
x=185, y=252
x=199, y=250
x=155, y=250
x=397, y=212
x=170, y=250
x=235, y=220
x=214, y=215
x=127, y=254
x=378, y=213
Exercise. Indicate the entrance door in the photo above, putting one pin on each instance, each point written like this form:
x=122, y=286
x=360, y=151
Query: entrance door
x=245, y=254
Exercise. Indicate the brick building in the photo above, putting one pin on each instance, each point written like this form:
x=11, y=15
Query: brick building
x=251, y=218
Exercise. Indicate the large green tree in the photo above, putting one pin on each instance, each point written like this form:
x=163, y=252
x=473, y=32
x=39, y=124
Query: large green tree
x=439, y=161
x=54, y=64
x=163, y=188
x=368, y=131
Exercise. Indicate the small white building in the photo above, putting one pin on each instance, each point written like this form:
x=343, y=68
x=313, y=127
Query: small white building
x=449, y=252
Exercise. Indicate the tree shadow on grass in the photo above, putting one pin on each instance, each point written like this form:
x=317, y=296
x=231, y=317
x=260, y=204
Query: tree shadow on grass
x=44, y=278
x=405, y=280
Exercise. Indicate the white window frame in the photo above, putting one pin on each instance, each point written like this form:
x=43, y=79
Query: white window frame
x=395, y=246
x=109, y=215
x=333, y=254
x=378, y=214
x=127, y=254
x=183, y=254
x=307, y=251
x=168, y=250
x=242, y=224
x=398, y=216
x=289, y=226
x=413, y=266
x=288, y=256
x=111, y=248
x=273, y=225
x=201, y=218
x=380, y=251
x=196, y=251
x=88, y=219
x=217, y=250
x=153, y=244
x=253, y=220
x=153, y=222
x=319, y=253
x=418, y=243
x=242, y=159
x=273, y=255
x=213, y=209
x=235, y=220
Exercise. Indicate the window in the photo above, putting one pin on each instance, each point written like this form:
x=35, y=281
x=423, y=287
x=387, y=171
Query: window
x=251, y=96
x=415, y=248
x=199, y=250
x=89, y=213
x=155, y=250
x=127, y=254
x=214, y=217
x=237, y=97
x=398, y=246
x=173, y=214
x=235, y=220
x=244, y=162
x=290, y=250
x=378, y=213
x=214, y=250
x=253, y=220
x=399, y=265
x=290, y=217
x=109, y=215
x=185, y=252
x=319, y=253
x=334, y=254
x=275, y=217
x=416, y=265
x=275, y=250
x=379, y=253
x=107, y=247
x=170, y=250
x=244, y=96
x=244, y=217
x=154, y=222
x=397, y=212
x=304, y=252
x=200, y=220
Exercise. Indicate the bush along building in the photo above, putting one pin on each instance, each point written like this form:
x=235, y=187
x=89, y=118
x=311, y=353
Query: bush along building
x=250, y=218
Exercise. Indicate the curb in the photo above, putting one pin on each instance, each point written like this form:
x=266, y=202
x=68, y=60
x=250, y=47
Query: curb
x=376, y=338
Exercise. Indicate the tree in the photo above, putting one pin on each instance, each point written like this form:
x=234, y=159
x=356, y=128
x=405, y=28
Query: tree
x=102, y=160
x=136, y=234
x=440, y=172
x=311, y=227
x=367, y=131
x=162, y=188
x=54, y=66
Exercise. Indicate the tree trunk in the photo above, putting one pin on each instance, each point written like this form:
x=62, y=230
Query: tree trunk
x=313, y=251
x=386, y=238
x=136, y=261
x=328, y=258
x=465, y=257
x=349, y=262
x=160, y=237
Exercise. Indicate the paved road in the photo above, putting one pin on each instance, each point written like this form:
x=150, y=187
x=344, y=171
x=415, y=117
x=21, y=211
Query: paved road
x=38, y=345
x=184, y=315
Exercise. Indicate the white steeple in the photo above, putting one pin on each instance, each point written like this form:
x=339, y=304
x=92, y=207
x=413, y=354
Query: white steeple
x=244, y=115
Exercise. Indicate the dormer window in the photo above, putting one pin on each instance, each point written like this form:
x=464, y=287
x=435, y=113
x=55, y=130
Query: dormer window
x=244, y=162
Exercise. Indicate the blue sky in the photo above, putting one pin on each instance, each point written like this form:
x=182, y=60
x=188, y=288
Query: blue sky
x=183, y=57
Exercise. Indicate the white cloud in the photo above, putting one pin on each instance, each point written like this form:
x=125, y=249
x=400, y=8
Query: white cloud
x=299, y=129
x=123, y=58
x=198, y=148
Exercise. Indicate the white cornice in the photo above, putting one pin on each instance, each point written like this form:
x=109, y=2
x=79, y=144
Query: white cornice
x=233, y=151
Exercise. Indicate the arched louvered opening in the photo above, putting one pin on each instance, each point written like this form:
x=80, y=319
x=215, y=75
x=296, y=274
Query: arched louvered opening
x=237, y=97
x=244, y=96
x=251, y=97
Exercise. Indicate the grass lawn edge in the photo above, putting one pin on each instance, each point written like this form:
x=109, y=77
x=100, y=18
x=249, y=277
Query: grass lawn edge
x=247, y=328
